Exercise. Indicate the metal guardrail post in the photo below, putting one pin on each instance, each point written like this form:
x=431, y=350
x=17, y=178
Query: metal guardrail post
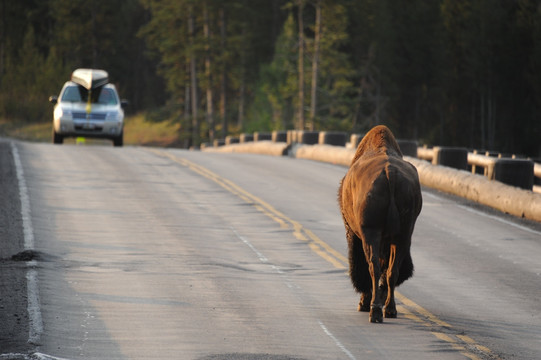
x=244, y=138
x=279, y=136
x=336, y=138
x=408, y=147
x=259, y=136
x=454, y=157
x=307, y=137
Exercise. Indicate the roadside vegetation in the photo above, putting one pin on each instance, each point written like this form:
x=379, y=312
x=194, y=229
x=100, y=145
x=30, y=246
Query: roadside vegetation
x=138, y=130
x=446, y=72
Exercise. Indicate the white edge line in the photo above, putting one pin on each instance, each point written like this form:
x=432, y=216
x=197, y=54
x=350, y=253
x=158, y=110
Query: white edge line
x=34, y=311
x=263, y=259
x=25, y=200
x=507, y=222
x=336, y=341
x=40, y=356
x=496, y=218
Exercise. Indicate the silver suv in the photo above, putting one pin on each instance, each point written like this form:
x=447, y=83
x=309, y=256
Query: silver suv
x=88, y=106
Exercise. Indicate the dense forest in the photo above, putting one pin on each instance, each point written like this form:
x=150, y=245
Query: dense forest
x=446, y=72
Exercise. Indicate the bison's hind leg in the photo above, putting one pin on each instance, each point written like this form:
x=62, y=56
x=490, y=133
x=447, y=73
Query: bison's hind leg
x=392, y=276
x=389, y=310
x=364, y=303
x=372, y=238
x=358, y=270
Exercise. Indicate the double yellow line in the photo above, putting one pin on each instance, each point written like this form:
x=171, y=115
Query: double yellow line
x=316, y=244
x=443, y=331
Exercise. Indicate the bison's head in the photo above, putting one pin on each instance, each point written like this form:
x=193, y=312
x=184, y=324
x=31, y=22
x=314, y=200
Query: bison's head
x=377, y=141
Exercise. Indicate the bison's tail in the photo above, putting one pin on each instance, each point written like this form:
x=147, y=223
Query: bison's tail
x=392, y=227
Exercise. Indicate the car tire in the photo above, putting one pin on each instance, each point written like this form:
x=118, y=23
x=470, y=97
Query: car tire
x=57, y=138
x=119, y=140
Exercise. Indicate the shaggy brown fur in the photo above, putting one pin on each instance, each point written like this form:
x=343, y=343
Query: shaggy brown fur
x=380, y=199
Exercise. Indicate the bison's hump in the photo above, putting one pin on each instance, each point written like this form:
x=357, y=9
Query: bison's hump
x=377, y=141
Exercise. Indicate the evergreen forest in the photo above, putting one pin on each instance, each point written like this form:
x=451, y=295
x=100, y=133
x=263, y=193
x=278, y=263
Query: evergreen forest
x=444, y=72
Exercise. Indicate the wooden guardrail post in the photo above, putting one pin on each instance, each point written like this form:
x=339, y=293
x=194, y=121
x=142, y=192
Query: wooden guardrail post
x=291, y=136
x=425, y=153
x=355, y=139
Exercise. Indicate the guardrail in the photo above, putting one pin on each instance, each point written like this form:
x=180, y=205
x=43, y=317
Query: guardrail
x=522, y=173
x=508, y=170
x=480, y=178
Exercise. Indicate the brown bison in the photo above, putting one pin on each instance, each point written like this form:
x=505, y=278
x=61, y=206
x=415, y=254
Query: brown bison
x=380, y=199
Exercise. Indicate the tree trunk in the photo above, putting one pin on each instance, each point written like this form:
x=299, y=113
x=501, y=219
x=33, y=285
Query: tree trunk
x=186, y=103
x=240, y=121
x=378, y=102
x=223, y=80
x=208, y=73
x=193, y=78
x=315, y=66
x=491, y=121
x=242, y=90
x=473, y=139
x=2, y=38
x=301, y=64
x=94, y=42
x=482, y=116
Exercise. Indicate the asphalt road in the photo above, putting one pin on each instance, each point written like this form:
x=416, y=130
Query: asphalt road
x=138, y=253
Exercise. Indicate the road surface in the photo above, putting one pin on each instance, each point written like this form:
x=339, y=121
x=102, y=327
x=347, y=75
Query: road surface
x=139, y=253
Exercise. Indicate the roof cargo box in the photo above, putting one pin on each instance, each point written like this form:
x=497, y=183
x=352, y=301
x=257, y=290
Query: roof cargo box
x=90, y=78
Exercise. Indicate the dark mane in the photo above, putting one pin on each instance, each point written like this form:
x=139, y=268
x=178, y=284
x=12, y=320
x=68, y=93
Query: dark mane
x=378, y=140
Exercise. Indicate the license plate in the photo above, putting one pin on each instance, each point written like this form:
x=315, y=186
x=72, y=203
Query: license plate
x=88, y=126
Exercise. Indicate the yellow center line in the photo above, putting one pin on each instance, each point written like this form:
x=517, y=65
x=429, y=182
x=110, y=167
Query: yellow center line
x=409, y=308
x=316, y=244
x=421, y=310
x=470, y=341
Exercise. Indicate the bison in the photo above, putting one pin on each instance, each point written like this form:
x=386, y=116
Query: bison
x=380, y=199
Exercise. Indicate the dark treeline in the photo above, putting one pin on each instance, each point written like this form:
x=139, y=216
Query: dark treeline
x=447, y=72
x=43, y=41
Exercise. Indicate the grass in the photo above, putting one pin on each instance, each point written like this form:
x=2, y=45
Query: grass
x=39, y=132
x=137, y=131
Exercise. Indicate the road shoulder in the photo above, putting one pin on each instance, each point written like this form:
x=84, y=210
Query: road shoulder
x=13, y=285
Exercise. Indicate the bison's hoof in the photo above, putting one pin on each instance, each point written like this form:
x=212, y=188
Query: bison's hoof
x=390, y=313
x=376, y=315
x=364, y=303
x=363, y=308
